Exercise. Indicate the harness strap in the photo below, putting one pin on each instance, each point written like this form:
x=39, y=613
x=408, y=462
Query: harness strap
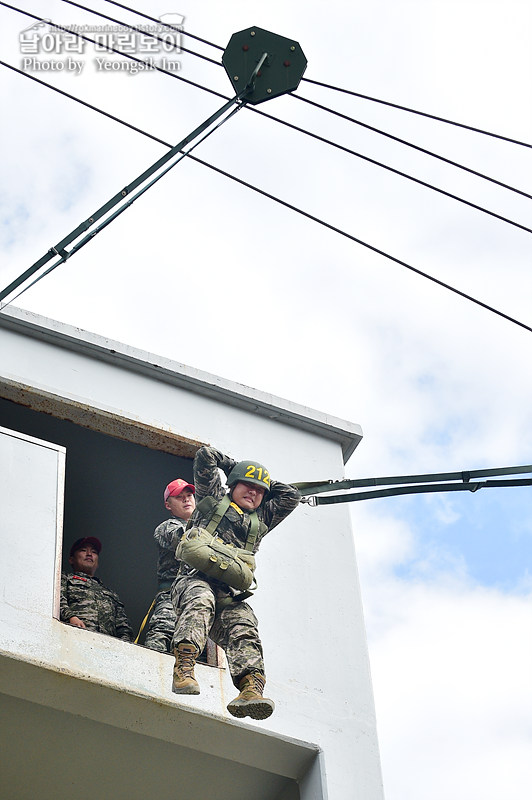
x=470, y=486
x=253, y=531
x=224, y=602
x=219, y=512
x=317, y=487
x=144, y=621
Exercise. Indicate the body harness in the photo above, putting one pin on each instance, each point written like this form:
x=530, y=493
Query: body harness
x=202, y=550
x=213, y=557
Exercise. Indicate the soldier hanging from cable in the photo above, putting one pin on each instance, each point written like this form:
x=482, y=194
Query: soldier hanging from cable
x=209, y=592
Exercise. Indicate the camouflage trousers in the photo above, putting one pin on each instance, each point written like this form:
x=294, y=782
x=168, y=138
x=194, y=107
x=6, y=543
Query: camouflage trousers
x=234, y=627
x=162, y=624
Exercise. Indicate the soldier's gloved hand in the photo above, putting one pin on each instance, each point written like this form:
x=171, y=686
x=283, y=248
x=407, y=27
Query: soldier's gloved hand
x=77, y=622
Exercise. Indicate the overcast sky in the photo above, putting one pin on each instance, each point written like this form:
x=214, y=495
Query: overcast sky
x=209, y=273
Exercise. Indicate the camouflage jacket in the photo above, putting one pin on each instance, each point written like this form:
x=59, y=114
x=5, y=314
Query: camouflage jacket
x=99, y=608
x=167, y=535
x=280, y=501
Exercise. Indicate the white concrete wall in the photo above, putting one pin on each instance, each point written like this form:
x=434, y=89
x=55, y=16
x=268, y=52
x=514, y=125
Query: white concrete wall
x=31, y=502
x=308, y=601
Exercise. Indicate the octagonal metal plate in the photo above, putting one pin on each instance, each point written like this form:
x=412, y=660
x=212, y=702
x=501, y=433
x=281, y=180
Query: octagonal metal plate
x=281, y=72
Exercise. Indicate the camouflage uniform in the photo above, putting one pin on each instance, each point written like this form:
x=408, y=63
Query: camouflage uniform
x=196, y=598
x=162, y=621
x=100, y=608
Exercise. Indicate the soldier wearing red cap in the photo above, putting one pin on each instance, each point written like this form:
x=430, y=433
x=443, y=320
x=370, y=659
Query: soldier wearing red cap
x=179, y=500
x=85, y=601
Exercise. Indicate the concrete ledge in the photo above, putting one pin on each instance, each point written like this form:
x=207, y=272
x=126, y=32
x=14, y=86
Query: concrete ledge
x=241, y=756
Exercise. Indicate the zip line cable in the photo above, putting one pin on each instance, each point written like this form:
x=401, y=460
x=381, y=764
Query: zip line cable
x=84, y=103
x=408, y=144
x=286, y=205
x=415, y=484
x=59, y=249
x=414, y=111
x=354, y=121
x=364, y=244
x=154, y=19
x=402, y=174
x=118, y=52
x=317, y=487
x=64, y=255
x=348, y=150
x=139, y=30
x=339, y=89
x=422, y=489
x=316, y=136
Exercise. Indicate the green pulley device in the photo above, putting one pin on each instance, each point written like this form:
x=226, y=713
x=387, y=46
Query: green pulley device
x=260, y=65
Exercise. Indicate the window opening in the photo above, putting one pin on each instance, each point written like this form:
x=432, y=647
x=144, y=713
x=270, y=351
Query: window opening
x=114, y=492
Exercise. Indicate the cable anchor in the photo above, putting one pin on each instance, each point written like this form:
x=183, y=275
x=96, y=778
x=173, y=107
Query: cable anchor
x=249, y=52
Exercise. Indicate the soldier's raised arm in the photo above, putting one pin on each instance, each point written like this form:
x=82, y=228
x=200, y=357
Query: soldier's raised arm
x=281, y=501
x=206, y=476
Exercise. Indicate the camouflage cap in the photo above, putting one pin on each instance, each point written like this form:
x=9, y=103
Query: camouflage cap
x=79, y=543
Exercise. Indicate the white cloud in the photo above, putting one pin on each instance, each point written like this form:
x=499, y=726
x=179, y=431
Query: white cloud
x=451, y=664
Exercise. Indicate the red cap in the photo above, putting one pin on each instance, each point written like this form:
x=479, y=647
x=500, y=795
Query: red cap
x=79, y=543
x=175, y=488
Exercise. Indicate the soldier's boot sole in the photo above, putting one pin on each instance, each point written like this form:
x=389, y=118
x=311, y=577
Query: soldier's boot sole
x=257, y=708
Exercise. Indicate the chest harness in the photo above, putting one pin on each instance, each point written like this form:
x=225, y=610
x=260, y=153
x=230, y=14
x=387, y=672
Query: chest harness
x=206, y=552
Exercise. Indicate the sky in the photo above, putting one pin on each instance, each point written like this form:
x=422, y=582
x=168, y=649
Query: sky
x=282, y=304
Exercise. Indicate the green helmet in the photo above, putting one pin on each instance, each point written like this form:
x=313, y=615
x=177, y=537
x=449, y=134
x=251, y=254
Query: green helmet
x=249, y=472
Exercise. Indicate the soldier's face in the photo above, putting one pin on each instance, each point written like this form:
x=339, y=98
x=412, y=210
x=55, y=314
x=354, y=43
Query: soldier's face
x=85, y=560
x=183, y=505
x=247, y=496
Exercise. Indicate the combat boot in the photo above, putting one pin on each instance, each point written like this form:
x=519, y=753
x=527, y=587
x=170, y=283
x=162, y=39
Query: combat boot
x=250, y=702
x=184, y=681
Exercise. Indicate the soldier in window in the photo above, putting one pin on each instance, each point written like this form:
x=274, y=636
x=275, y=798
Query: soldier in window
x=85, y=601
x=179, y=500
